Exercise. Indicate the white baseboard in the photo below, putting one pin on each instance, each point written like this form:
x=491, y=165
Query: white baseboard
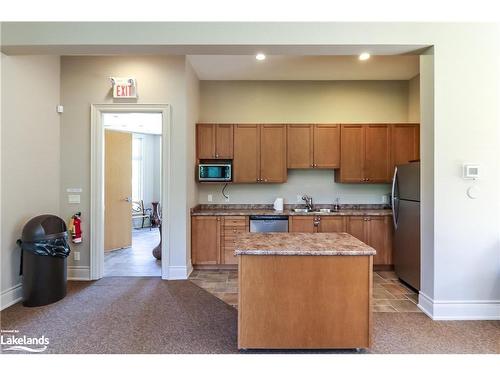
x=11, y=296
x=459, y=310
x=78, y=273
x=178, y=272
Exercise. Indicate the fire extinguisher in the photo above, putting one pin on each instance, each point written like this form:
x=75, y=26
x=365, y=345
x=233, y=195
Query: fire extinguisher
x=75, y=228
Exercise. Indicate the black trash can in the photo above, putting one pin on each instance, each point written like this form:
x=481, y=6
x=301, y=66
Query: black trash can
x=43, y=260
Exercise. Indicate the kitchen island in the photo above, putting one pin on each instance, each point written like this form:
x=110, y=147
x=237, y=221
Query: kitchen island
x=304, y=291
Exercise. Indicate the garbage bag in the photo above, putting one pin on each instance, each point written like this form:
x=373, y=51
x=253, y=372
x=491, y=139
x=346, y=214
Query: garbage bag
x=57, y=247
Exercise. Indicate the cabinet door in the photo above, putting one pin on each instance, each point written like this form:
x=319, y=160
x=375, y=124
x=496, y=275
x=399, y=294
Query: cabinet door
x=246, y=166
x=224, y=141
x=326, y=146
x=379, y=233
x=273, y=153
x=404, y=144
x=377, y=153
x=233, y=226
x=205, y=239
x=332, y=224
x=352, y=153
x=205, y=141
x=302, y=224
x=299, y=146
x=356, y=226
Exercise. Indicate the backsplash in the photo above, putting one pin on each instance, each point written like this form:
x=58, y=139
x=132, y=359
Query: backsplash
x=319, y=184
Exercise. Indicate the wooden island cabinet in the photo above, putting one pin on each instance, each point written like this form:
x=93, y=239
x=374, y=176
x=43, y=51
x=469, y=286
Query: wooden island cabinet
x=304, y=291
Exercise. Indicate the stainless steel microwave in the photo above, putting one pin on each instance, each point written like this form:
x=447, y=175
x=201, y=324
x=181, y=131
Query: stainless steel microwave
x=215, y=172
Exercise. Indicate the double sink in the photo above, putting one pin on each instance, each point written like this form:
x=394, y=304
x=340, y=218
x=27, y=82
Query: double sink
x=308, y=210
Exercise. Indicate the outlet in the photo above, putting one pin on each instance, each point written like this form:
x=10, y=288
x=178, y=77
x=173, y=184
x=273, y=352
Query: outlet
x=385, y=199
x=226, y=199
x=209, y=198
x=76, y=255
x=299, y=198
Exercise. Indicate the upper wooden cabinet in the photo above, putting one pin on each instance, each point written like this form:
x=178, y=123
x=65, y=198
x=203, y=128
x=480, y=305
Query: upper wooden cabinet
x=246, y=162
x=313, y=146
x=300, y=146
x=365, y=153
x=259, y=153
x=377, y=153
x=352, y=153
x=405, y=144
x=214, y=141
x=273, y=153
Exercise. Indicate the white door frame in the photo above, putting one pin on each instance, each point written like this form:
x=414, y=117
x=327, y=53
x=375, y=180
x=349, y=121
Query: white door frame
x=97, y=181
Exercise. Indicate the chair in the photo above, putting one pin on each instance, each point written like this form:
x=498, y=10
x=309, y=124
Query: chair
x=139, y=212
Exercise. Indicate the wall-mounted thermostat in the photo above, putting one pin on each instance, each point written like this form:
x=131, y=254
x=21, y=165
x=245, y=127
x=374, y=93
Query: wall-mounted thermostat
x=470, y=171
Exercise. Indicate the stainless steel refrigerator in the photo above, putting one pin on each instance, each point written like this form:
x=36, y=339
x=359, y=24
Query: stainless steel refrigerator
x=406, y=215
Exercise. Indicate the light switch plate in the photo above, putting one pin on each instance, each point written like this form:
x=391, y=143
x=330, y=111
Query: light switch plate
x=74, y=198
x=77, y=255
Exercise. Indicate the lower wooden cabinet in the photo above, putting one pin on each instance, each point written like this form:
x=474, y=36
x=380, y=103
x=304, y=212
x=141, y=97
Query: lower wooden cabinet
x=213, y=239
x=205, y=239
x=301, y=224
x=317, y=224
x=376, y=231
x=232, y=227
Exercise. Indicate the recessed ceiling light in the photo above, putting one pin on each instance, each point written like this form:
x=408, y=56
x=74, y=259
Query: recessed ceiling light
x=260, y=56
x=364, y=56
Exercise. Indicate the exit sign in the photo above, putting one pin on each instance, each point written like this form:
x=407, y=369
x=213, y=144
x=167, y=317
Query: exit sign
x=124, y=87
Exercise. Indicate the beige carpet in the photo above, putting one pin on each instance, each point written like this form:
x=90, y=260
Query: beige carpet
x=148, y=315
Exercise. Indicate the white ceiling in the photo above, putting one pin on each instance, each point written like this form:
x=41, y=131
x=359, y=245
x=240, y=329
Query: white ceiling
x=286, y=67
x=145, y=123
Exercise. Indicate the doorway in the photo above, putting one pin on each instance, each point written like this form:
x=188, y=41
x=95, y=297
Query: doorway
x=129, y=192
x=132, y=194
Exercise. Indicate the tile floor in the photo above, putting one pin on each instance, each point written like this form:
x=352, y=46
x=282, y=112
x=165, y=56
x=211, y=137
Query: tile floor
x=389, y=295
x=136, y=260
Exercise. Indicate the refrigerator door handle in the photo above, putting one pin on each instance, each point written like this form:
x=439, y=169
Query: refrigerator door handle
x=394, y=198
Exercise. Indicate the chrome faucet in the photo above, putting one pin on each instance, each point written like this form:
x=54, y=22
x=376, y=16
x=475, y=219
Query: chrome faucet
x=309, y=201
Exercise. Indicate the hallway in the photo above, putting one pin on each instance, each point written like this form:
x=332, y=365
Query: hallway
x=136, y=260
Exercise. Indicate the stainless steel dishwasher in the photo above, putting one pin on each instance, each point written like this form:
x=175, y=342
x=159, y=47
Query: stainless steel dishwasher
x=268, y=223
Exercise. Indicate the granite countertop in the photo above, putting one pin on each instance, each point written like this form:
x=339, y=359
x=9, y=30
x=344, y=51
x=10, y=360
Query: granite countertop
x=300, y=244
x=247, y=210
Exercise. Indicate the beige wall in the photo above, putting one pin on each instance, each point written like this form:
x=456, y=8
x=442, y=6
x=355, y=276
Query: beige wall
x=30, y=153
x=192, y=107
x=414, y=99
x=85, y=81
x=304, y=101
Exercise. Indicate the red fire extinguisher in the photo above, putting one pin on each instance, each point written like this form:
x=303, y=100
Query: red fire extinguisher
x=75, y=228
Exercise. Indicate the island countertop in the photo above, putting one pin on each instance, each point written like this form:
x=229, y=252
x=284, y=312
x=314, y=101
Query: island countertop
x=301, y=244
